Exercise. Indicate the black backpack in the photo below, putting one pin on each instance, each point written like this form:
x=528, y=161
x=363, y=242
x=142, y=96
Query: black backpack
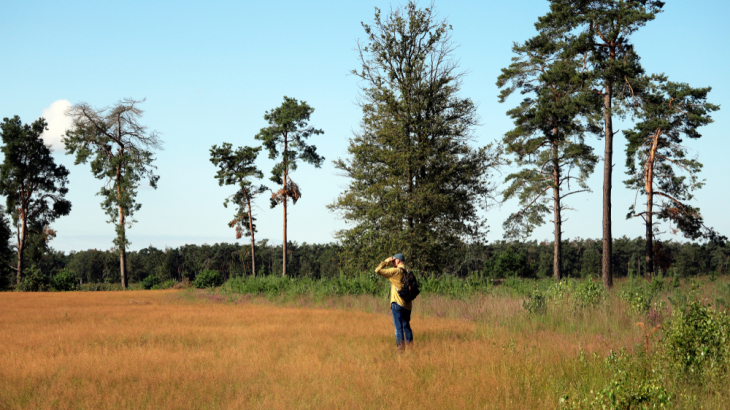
x=410, y=290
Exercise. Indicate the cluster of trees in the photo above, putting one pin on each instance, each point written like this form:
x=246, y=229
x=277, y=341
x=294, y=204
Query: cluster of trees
x=531, y=259
x=120, y=152
x=417, y=183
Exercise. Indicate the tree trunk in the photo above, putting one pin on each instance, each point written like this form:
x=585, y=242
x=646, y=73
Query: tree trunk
x=253, y=240
x=121, y=235
x=558, y=250
x=649, y=188
x=122, y=249
x=22, y=235
x=607, y=268
x=285, y=198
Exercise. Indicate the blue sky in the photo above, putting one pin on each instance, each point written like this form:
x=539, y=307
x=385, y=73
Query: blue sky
x=209, y=71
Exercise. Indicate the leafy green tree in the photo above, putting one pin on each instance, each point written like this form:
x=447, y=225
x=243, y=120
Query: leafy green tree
x=237, y=168
x=121, y=152
x=289, y=131
x=548, y=140
x=416, y=183
x=34, y=186
x=604, y=28
x=657, y=157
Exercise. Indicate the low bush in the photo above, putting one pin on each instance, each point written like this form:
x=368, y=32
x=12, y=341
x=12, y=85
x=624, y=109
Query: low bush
x=536, y=303
x=168, y=284
x=34, y=281
x=697, y=343
x=150, y=282
x=208, y=278
x=64, y=281
x=633, y=386
x=588, y=294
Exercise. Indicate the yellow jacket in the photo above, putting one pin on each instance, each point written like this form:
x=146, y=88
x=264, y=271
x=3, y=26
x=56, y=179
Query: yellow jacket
x=394, y=275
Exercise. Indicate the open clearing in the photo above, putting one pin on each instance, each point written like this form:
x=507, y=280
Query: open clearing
x=170, y=349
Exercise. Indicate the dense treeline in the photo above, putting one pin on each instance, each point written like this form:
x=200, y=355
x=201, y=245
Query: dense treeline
x=581, y=259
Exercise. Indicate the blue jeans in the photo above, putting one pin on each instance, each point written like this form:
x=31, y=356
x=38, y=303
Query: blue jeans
x=402, y=322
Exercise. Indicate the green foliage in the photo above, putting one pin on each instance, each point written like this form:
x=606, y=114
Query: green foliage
x=287, y=133
x=33, y=185
x=452, y=286
x=416, y=184
x=509, y=263
x=536, y=303
x=237, y=168
x=668, y=111
x=473, y=273
x=561, y=290
x=151, y=282
x=34, y=281
x=641, y=297
x=548, y=138
x=588, y=294
x=64, y=281
x=208, y=278
x=337, y=286
x=638, y=299
x=633, y=386
x=697, y=343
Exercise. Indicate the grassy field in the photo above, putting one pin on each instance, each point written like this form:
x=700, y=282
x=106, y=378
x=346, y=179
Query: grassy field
x=186, y=349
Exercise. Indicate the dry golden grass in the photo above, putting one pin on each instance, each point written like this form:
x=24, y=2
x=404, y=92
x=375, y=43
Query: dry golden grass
x=161, y=349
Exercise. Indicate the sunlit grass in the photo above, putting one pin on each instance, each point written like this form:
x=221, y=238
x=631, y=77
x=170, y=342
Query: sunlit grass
x=207, y=350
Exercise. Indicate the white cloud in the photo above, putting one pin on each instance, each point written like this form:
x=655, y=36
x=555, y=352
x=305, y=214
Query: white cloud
x=58, y=123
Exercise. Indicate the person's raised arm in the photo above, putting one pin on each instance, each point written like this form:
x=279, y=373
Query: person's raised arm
x=386, y=272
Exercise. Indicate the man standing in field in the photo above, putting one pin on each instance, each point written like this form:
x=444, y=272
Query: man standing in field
x=400, y=308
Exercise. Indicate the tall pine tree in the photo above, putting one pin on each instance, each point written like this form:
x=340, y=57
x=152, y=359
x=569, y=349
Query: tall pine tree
x=237, y=168
x=603, y=29
x=657, y=159
x=289, y=131
x=548, y=140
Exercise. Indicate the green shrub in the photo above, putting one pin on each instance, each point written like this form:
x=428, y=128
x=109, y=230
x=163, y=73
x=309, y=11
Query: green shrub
x=536, y=303
x=166, y=284
x=208, y=278
x=588, y=294
x=696, y=343
x=638, y=300
x=633, y=386
x=64, y=281
x=511, y=262
x=150, y=282
x=34, y=281
x=559, y=290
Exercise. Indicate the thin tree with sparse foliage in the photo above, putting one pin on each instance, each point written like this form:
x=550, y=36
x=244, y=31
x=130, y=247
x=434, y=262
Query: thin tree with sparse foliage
x=658, y=161
x=121, y=152
x=287, y=135
x=548, y=138
x=237, y=168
